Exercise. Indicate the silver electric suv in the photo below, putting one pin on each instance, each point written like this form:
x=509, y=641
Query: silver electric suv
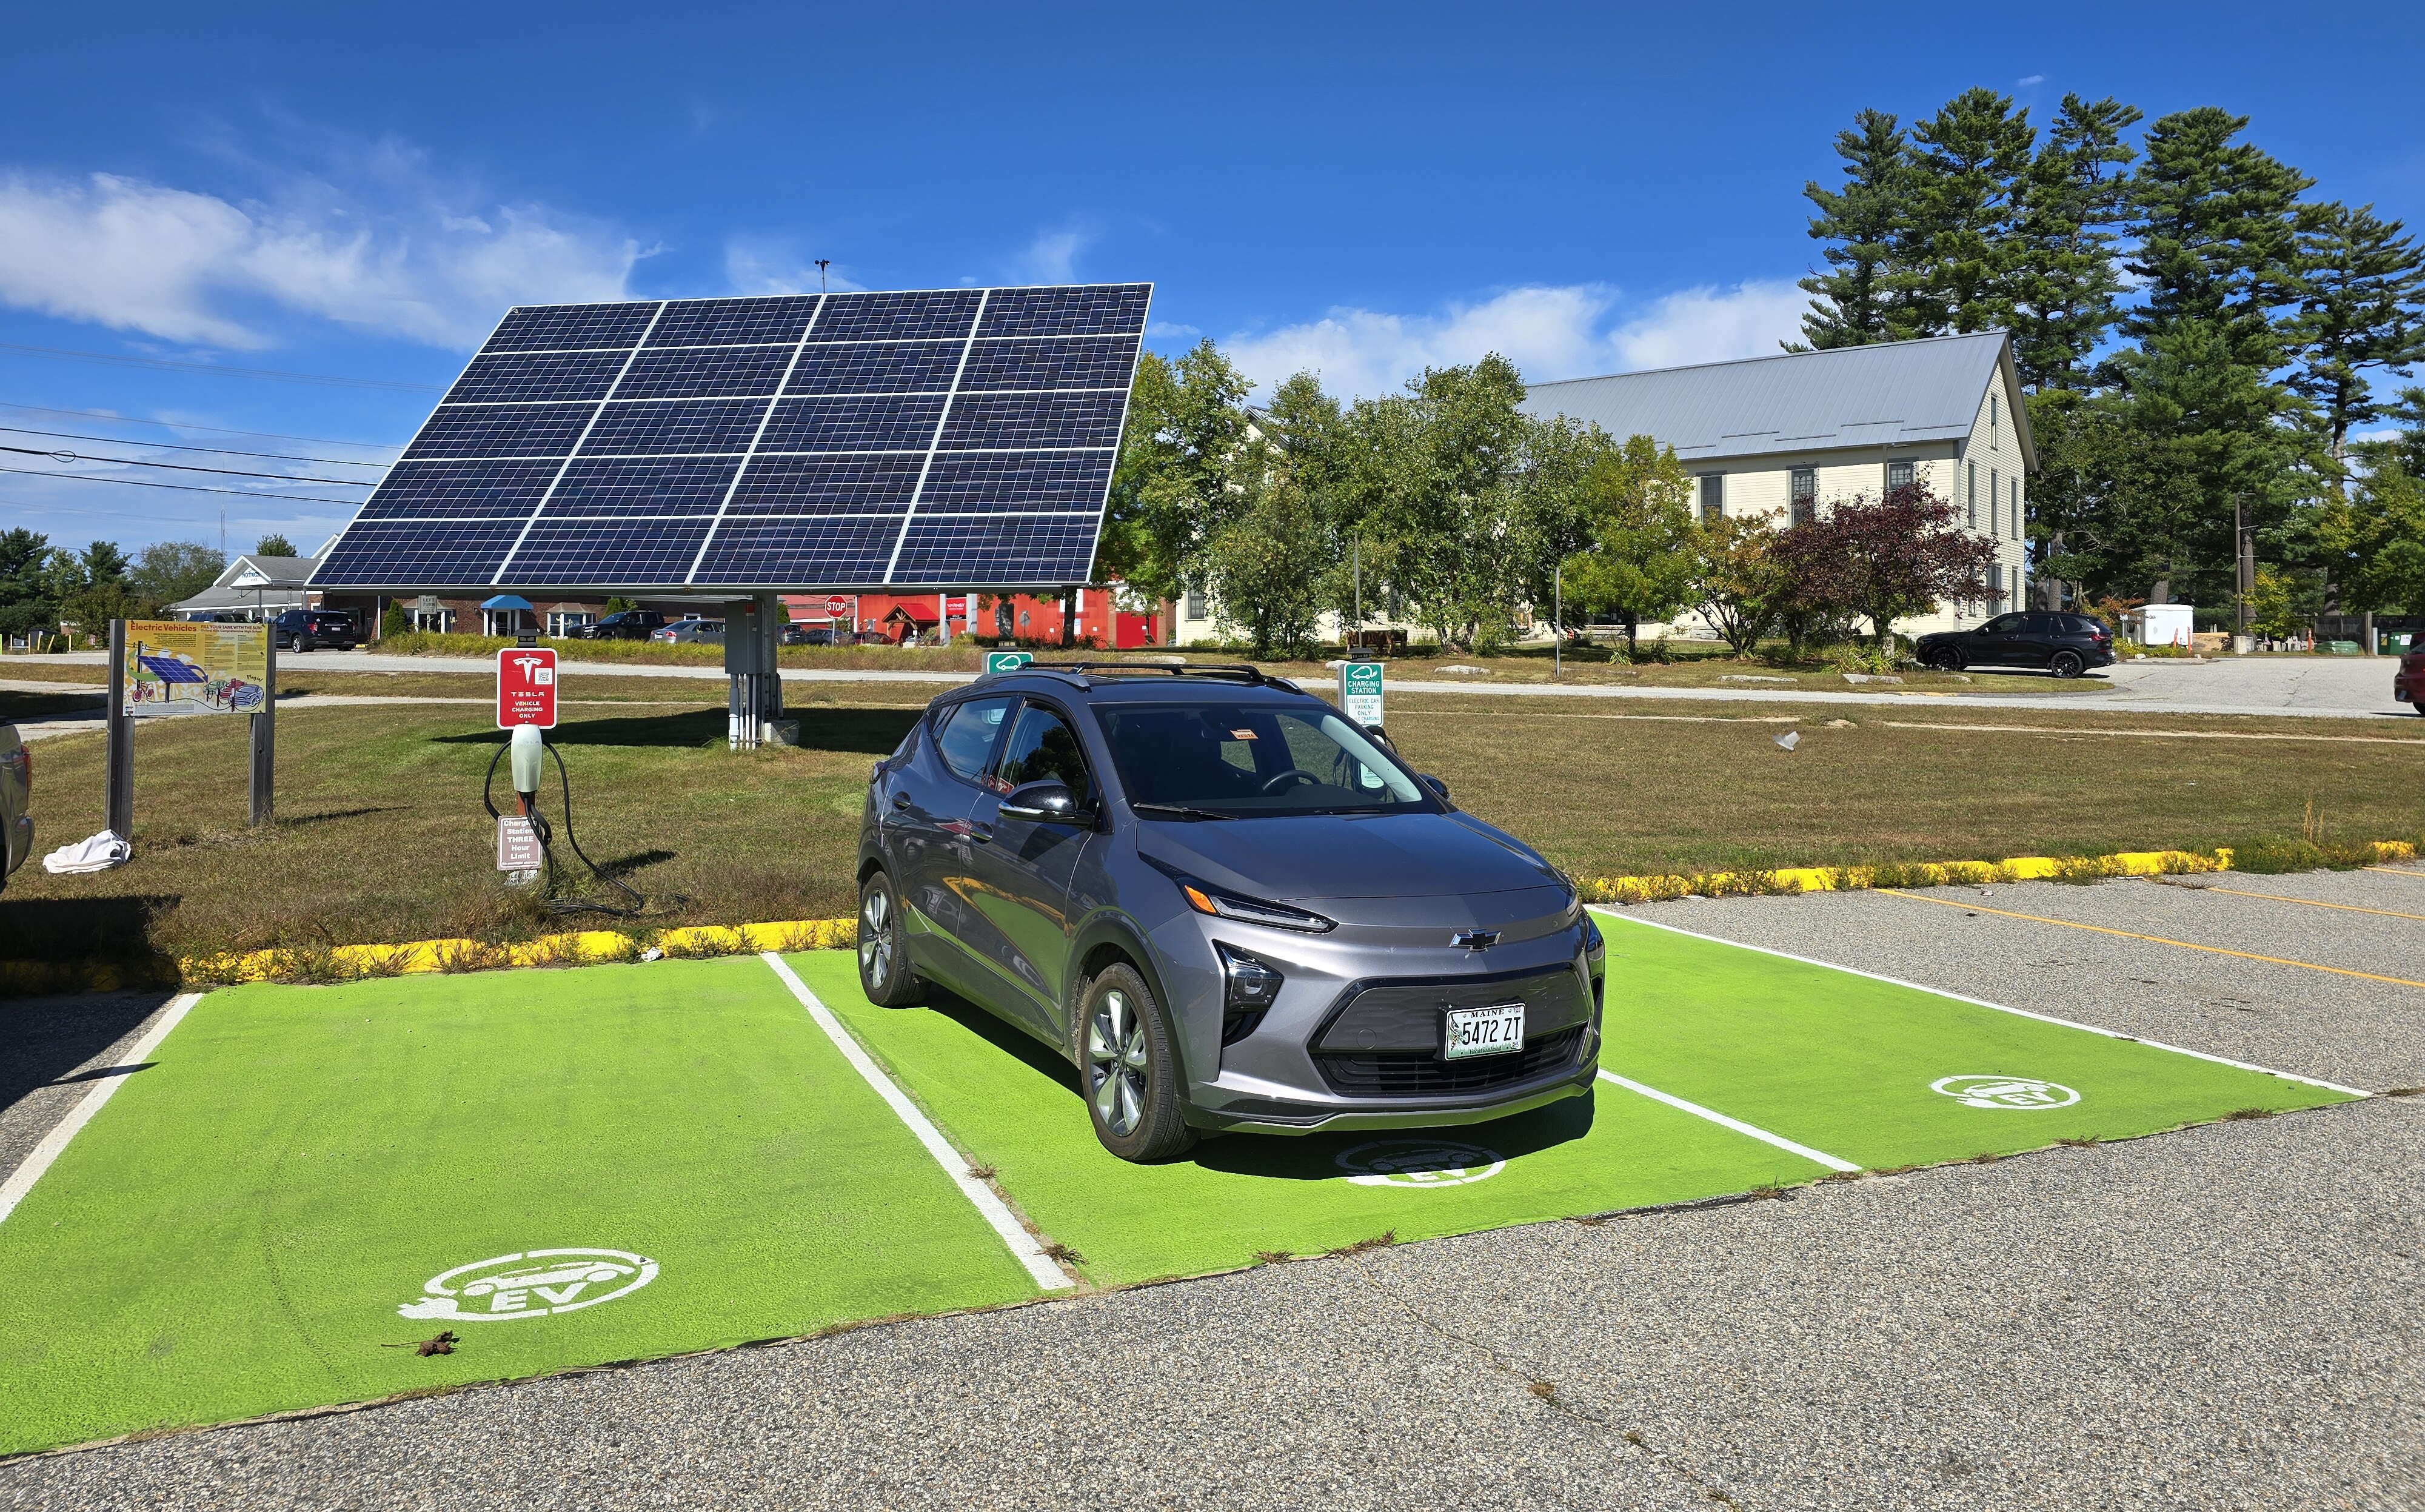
x=1226, y=904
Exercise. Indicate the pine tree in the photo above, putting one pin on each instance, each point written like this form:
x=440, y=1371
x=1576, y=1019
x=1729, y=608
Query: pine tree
x=2066, y=277
x=2216, y=222
x=1868, y=292
x=2361, y=285
x=1967, y=173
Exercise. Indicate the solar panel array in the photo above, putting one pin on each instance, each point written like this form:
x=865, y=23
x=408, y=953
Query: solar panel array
x=945, y=439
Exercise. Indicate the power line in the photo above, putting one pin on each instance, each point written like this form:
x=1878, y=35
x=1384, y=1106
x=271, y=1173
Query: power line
x=172, y=447
x=224, y=372
x=182, y=487
x=183, y=467
x=111, y=514
x=216, y=430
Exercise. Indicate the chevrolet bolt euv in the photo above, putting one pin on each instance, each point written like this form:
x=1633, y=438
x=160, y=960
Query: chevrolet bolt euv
x=1228, y=906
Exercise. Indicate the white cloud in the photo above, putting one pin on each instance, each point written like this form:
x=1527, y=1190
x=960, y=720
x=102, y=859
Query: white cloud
x=2025, y=83
x=194, y=267
x=1052, y=256
x=1548, y=332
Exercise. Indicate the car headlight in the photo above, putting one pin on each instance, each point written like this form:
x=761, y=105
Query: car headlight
x=1250, y=985
x=1205, y=898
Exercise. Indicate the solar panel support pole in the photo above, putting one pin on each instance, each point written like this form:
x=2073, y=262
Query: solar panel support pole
x=120, y=800
x=265, y=744
x=754, y=697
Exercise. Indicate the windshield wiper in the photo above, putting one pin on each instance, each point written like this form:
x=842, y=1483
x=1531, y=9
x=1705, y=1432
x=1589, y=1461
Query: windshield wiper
x=1180, y=810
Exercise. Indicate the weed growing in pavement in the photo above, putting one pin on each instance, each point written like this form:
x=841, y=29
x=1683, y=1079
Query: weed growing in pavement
x=2402, y=1091
x=312, y=965
x=1892, y=1171
x=1766, y=1194
x=2081, y=1142
x=2249, y=1112
x=1985, y=1157
x=555, y=950
x=380, y=960
x=1273, y=1257
x=1546, y=1391
x=1067, y=1256
x=983, y=1173
x=458, y=955
x=2079, y=870
x=1379, y=1241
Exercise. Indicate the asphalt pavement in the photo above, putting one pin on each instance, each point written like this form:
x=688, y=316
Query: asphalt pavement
x=2221, y=1317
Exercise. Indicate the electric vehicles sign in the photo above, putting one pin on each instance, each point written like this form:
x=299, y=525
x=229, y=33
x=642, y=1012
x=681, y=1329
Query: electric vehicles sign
x=1359, y=692
x=526, y=686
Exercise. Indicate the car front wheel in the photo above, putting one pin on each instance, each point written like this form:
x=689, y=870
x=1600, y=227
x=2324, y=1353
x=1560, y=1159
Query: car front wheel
x=884, y=971
x=2067, y=664
x=1132, y=1075
x=1945, y=659
x=296, y=645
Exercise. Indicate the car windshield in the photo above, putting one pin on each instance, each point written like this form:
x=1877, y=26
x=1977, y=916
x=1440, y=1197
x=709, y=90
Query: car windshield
x=1254, y=761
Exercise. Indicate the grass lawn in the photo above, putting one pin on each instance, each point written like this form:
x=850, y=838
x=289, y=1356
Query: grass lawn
x=381, y=836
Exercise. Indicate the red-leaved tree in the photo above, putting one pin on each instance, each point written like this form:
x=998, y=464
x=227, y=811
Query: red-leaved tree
x=1886, y=559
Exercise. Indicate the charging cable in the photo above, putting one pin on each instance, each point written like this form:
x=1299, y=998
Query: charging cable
x=555, y=902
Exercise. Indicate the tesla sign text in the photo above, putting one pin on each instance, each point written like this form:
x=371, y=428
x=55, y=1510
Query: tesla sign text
x=526, y=686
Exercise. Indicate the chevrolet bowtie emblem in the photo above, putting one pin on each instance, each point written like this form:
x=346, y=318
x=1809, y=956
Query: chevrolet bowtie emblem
x=1473, y=939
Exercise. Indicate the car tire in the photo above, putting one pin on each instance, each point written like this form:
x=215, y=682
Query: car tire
x=2066, y=665
x=884, y=973
x=1129, y=1073
x=1945, y=659
x=295, y=645
x=2419, y=705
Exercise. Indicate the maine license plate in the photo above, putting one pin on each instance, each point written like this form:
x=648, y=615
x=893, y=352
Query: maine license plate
x=1492, y=1031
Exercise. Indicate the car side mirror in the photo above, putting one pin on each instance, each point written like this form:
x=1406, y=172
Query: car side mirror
x=1048, y=801
x=1434, y=783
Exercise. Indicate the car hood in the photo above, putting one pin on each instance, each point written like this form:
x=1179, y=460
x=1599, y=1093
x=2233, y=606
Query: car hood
x=1313, y=857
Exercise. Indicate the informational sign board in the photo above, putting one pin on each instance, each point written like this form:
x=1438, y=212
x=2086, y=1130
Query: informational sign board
x=518, y=848
x=526, y=686
x=1007, y=660
x=1359, y=692
x=837, y=607
x=187, y=666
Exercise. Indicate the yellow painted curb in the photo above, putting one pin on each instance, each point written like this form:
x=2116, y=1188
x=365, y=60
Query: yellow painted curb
x=580, y=948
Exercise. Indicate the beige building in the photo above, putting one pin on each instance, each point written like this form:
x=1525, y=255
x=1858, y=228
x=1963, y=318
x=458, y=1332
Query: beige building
x=1788, y=436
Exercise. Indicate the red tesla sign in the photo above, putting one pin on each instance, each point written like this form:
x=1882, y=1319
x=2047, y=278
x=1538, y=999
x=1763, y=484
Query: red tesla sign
x=526, y=686
x=837, y=607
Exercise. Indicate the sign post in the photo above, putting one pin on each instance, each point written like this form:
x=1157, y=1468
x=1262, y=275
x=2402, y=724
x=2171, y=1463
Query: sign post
x=1359, y=692
x=119, y=794
x=264, y=741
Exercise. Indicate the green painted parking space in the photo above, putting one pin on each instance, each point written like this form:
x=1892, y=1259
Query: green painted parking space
x=1007, y=1101
x=1884, y=1074
x=560, y=1167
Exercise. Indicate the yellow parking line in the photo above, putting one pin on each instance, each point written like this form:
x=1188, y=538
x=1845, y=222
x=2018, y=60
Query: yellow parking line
x=2399, y=871
x=2345, y=908
x=2157, y=940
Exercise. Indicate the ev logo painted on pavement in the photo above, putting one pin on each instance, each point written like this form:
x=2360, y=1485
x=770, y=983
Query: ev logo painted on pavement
x=2018, y=1094
x=1420, y=1163
x=531, y=1284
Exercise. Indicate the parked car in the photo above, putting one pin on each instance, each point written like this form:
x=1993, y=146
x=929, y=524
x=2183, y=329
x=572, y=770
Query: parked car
x=16, y=801
x=815, y=636
x=1228, y=906
x=624, y=624
x=2408, y=682
x=311, y=629
x=2064, y=644
x=684, y=632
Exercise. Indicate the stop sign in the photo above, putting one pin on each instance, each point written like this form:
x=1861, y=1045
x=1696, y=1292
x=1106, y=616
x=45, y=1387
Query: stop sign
x=837, y=606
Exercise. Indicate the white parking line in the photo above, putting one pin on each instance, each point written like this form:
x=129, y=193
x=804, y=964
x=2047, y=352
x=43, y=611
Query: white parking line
x=22, y=1180
x=1982, y=1003
x=996, y=1213
x=1736, y=1124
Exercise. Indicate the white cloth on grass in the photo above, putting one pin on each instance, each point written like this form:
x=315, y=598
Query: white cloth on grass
x=97, y=854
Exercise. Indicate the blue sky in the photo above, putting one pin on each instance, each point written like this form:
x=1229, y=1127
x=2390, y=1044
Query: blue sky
x=359, y=191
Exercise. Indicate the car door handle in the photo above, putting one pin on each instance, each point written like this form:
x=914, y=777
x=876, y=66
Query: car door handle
x=901, y=800
x=981, y=833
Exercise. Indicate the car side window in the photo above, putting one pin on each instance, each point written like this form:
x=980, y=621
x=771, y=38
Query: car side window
x=1043, y=748
x=968, y=736
x=2004, y=624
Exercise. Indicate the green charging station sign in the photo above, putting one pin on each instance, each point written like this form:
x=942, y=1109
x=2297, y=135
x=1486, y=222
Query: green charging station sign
x=1360, y=691
x=1007, y=660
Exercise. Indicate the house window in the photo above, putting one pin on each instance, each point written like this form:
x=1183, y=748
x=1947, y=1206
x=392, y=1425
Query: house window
x=2019, y=530
x=1996, y=493
x=1971, y=493
x=437, y=621
x=1994, y=418
x=1194, y=609
x=1714, y=497
x=1898, y=473
x=560, y=622
x=1804, y=494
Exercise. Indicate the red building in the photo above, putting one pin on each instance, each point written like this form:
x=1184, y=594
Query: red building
x=1097, y=620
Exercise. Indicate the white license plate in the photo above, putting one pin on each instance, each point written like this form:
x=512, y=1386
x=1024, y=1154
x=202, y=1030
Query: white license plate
x=1492, y=1031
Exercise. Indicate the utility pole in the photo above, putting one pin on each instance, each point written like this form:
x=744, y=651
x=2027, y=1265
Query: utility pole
x=2244, y=551
x=1557, y=619
x=822, y=262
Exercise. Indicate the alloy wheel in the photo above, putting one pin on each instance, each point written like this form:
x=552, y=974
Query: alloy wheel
x=876, y=936
x=1117, y=1062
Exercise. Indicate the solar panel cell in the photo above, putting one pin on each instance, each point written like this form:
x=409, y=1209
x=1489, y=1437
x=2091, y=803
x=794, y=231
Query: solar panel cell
x=561, y=326
x=497, y=488
x=1036, y=419
x=1052, y=363
x=428, y=553
x=898, y=316
x=828, y=484
x=501, y=431
x=1027, y=549
x=881, y=367
x=813, y=553
x=676, y=426
x=704, y=372
x=536, y=376
x=854, y=422
x=578, y=553
x=731, y=322
x=1083, y=310
x=995, y=482
x=625, y=487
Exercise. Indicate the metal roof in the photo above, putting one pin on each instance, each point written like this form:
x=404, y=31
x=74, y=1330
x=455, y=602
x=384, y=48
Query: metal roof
x=1882, y=396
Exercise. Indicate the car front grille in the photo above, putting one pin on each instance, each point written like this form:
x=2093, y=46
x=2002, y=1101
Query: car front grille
x=1427, y=1075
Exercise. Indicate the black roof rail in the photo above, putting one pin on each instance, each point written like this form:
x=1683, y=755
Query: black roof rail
x=1237, y=669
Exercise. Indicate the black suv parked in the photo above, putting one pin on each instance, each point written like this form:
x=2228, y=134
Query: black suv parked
x=629, y=624
x=311, y=629
x=2064, y=644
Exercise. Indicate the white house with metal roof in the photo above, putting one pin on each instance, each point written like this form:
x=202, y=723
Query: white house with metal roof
x=1788, y=436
